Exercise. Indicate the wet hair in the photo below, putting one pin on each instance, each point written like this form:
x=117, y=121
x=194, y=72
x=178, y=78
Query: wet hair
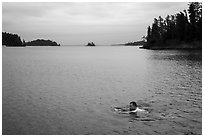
x=134, y=103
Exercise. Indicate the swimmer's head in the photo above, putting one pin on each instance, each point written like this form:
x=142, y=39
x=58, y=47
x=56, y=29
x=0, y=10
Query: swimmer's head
x=133, y=106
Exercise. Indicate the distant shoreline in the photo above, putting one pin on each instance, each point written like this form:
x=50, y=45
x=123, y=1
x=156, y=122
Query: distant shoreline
x=126, y=45
x=195, y=45
x=169, y=48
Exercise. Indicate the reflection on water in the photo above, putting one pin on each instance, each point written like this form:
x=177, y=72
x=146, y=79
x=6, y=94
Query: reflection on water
x=70, y=90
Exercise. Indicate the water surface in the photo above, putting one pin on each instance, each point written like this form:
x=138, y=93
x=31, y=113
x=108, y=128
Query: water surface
x=72, y=90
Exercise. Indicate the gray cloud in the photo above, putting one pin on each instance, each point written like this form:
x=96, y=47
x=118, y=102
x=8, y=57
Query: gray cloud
x=77, y=23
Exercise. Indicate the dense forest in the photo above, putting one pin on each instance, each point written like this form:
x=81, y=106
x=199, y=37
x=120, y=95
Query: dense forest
x=41, y=42
x=182, y=30
x=9, y=39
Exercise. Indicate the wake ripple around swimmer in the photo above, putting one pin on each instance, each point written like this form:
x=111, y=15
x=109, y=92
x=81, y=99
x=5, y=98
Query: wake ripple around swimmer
x=143, y=117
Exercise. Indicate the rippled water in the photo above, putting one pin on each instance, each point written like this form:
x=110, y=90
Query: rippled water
x=72, y=90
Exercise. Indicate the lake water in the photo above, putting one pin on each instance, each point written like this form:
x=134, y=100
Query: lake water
x=72, y=90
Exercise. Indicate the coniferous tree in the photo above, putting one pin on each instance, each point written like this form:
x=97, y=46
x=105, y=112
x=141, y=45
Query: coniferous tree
x=155, y=32
x=149, y=36
x=180, y=26
x=195, y=17
x=168, y=27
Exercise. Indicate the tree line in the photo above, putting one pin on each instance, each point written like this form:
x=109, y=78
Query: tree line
x=182, y=28
x=9, y=39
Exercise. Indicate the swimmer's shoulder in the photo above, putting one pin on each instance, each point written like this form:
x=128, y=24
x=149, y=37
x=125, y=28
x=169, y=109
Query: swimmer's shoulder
x=141, y=110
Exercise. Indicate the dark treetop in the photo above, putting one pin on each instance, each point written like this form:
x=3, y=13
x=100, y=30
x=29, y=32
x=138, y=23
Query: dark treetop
x=9, y=39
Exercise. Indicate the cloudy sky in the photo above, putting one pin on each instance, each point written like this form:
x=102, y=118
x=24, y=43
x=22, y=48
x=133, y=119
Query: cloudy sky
x=78, y=23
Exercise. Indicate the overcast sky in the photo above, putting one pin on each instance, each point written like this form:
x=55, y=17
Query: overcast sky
x=78, y=23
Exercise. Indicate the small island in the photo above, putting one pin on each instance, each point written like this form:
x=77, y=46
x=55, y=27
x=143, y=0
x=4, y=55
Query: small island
x=90, y=44
x=42, y=42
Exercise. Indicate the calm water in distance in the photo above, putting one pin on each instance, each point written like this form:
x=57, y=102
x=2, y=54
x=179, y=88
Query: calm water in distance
x=72, y=90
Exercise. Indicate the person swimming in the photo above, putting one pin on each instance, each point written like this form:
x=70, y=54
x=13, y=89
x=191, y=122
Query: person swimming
x=134, y=108
x=131, y=109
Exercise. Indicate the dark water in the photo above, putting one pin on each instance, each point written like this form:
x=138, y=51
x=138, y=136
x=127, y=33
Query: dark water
x=72, y=90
